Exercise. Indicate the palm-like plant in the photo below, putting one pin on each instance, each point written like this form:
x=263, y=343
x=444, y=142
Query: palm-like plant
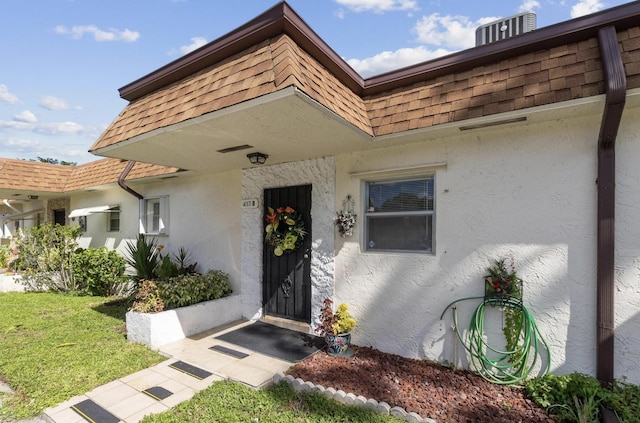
x=144, y=257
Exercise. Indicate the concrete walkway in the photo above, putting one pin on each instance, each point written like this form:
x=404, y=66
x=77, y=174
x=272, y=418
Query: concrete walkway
x=192, y=366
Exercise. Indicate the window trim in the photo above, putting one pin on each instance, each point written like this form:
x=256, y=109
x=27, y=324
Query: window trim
x=163, y=215
x=382, y=177
x=109, y=213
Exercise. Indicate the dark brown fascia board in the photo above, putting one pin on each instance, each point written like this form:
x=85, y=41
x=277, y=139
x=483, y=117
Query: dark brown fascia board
x=622, y=17
x=280, y=19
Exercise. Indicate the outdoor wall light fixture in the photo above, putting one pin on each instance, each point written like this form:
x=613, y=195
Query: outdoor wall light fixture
x=257, y=158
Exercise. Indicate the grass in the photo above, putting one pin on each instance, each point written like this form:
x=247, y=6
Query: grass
x=55, y=346
x=227, y=401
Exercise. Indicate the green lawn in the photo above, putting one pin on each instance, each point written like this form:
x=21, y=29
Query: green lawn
x=54, y=346
x=231, y=402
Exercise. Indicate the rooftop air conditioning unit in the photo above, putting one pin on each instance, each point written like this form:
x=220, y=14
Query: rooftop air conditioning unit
x=506, y=28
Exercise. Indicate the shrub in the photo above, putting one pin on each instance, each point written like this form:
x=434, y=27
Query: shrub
x=577, y=397
x=178, y=265
x=147, y=299
x=44, y=257
x=4, y=256
x=184, y=290
x=99, y=271
x=625, y=401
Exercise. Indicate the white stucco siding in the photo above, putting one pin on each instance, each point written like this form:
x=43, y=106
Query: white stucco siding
x=96, y=234
x=527, y=192
x=320, y=174
x=204, y=218
x=627, y=294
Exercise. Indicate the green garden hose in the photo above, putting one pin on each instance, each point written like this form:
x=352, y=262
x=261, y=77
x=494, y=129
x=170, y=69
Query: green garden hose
x=510, y=367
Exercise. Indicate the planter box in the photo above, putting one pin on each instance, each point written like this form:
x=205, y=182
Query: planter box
x=156, y=329
x=9, y=283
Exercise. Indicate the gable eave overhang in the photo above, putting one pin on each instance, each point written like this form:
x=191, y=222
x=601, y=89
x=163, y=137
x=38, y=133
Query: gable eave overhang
x=287, y=125
x=280, y=19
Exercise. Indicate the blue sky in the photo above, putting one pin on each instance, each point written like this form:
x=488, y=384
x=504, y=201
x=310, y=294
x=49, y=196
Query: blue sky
x=62, y=61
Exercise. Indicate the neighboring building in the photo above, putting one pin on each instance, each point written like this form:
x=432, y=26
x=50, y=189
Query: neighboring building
x=505, y=149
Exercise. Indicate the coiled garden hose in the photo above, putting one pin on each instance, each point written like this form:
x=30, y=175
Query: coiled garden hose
x=510, y=367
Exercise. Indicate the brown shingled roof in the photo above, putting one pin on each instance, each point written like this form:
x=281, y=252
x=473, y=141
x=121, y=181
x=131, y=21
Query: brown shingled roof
x=107, y=171
x=33, y=176
x=45, y=177
x=277, y=50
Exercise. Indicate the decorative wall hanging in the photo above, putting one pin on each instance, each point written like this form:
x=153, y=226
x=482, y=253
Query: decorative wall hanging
x=284, y=230
x=346, y=218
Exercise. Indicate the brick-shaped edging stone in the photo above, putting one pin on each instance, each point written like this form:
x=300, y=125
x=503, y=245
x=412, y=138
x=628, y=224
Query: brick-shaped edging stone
x=382, y=407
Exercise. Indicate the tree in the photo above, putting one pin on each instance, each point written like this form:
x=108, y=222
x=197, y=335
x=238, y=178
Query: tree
x=55, y=161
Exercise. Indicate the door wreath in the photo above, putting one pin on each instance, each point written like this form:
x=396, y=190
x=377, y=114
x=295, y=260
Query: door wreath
x=284, y=230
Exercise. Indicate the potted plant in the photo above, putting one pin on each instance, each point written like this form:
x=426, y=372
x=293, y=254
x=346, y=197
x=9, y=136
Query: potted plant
x=336, y=328
x=503, y=286
x=502, y=281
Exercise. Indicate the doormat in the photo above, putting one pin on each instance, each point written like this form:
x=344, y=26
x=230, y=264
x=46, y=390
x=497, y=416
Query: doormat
x=284, y=344
x=194, y=371
x=93, y=413
x=229, y=351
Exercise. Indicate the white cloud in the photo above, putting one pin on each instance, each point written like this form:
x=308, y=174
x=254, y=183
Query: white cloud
x=379, y=6
x=53, y=103
x=451, y=32
x=25, y=149
x=48, y=128
x=98, y=34
x=196, y=42
x=60, y=128
x=528, y=5
x=25, y=116
x=391, y=60
x=20, y=143
x=586, y=7
x=6, y=96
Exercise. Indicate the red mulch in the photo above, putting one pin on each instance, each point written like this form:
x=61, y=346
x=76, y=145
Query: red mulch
x=420, y=386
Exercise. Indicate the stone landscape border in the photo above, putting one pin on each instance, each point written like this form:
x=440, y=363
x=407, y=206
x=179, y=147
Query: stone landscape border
x=382, y=407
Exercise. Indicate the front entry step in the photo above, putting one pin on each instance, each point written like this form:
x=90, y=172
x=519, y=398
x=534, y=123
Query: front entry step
x=288, y=324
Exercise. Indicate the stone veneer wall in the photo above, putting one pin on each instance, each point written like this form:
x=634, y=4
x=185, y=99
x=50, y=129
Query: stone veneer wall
x=320, y=173
x=57, y=204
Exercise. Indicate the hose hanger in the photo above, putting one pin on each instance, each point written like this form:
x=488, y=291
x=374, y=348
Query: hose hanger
x=513, y=363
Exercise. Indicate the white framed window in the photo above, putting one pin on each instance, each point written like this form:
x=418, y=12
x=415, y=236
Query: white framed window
x=400, y=215
x=82, y=222
x=154, y=216
x=113, y=219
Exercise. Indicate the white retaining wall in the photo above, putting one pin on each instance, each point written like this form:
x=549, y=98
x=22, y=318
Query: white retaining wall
x=156, y=329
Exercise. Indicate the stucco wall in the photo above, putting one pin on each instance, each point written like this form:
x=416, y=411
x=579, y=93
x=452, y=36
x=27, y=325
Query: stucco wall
x=204, y=218
x=96, y=234
x=320, y=174
x=527, y=192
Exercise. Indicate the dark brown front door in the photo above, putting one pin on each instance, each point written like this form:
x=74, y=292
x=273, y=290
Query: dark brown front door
x=287, y=278
x=59, y=217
